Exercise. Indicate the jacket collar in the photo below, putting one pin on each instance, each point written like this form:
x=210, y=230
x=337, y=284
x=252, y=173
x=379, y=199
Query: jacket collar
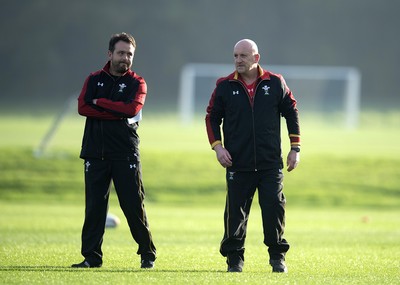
x=262, y=74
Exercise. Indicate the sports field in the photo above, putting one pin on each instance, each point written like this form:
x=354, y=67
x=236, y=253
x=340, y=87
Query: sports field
x=343, y=211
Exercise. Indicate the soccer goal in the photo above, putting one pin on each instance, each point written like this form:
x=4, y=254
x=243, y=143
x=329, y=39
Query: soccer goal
x=318, y=89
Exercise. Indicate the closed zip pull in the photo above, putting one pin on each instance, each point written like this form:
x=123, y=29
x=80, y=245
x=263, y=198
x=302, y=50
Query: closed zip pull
x=251, y=100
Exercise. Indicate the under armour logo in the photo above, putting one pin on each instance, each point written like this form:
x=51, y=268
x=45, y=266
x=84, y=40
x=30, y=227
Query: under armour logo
x=121, y=87
x=266, y=89
x=132, y=166
x=87, y=164
x=231, y=173
x=100, y=84
x=235, y=92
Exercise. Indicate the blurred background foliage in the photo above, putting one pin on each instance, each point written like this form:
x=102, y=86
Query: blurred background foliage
x=50, y=46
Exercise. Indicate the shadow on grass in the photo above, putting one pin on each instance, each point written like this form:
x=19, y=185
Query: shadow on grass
x=91, y=270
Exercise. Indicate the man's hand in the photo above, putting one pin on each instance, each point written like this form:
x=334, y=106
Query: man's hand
x=293, y=160
x=223, y=156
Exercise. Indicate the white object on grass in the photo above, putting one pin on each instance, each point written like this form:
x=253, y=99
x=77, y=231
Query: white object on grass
x=112, y=221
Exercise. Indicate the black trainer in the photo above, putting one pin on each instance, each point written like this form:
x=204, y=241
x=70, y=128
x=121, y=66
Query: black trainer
x=148, y=264
x=85, y=264
x=278, y=266
x=235, y=268
x=235, y=262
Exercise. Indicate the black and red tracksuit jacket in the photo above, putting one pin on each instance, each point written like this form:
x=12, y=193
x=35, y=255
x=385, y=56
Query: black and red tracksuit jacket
x=252, y=128
x=109, y=134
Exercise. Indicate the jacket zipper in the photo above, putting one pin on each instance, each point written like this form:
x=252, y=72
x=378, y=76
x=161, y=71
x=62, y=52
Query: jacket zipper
x=251, y=101
x=254, y=128
x=254, y=138
x=102, y=140
x=101, y=123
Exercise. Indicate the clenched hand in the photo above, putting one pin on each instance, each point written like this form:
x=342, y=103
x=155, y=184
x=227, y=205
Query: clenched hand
x=223, y=156
x=293, y=160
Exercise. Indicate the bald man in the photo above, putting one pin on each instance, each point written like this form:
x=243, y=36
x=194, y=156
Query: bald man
x=248, y=105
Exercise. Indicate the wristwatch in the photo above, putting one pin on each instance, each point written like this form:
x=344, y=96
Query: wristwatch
x=296, y=148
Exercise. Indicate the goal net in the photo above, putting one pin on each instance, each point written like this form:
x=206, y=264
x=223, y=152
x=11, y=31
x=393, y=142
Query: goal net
x=320, y=90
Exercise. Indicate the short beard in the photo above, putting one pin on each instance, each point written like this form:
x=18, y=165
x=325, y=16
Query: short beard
x=117, y=68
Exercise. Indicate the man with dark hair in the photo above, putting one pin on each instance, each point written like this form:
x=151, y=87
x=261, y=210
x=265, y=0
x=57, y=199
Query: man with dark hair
x=121, y=37
x=249, y=103
x=111, y=100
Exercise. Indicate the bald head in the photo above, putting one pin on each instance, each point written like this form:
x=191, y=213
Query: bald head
x=248, y=45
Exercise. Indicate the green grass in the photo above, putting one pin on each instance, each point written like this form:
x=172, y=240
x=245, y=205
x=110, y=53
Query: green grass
x=342, y=213
x=337, y=168
x=40, y=241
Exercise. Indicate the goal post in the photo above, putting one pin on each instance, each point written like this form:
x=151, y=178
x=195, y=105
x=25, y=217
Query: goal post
x=350, y=76
x=67, y=107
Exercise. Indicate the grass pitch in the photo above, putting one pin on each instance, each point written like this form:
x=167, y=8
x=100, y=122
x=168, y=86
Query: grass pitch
x=338, y=167
x=342, y=212
x=39, y=242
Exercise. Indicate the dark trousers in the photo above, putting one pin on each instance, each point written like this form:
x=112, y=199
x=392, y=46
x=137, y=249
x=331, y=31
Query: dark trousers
x=126, y=176
x=241, y=189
